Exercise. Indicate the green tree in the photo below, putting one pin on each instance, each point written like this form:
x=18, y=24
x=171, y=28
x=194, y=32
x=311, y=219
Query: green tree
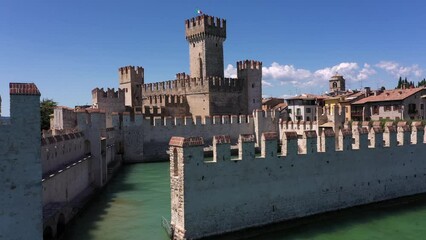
x=399, y=83
x=46, y=108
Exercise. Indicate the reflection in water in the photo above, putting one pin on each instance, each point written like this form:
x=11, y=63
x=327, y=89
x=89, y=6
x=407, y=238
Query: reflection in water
x=133, y=203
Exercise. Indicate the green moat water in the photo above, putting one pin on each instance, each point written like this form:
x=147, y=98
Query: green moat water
x=133, y=203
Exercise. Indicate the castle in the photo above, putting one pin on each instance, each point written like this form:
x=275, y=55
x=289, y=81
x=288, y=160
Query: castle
x=55, y=175
x=203, y=92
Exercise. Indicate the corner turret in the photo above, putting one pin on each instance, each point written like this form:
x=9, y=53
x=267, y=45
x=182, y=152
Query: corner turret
x=250, y=72
x=131, y=79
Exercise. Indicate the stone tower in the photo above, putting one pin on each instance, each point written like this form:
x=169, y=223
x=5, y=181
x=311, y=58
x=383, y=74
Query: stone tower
x=131, y=80
x=250, y=72
x=205, y=35
x=337, y=84
x=21, y=201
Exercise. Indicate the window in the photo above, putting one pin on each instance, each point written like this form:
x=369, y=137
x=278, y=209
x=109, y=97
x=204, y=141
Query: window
x=396, y=107
x=254, y=101
x=375, y=110
x=308, y=110
x=289, y=110
x=421, y=106
x=308, y=119
x=193, y=45
x=334, y=84
x=298, y=111
x=388, y=108
x=252, y=86
x=412, y=108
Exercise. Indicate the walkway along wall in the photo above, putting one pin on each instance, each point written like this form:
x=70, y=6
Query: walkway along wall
x=225, y=195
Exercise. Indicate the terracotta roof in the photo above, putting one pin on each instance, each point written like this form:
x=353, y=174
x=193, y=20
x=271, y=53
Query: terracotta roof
x=308, y=97
x=280, y=106
x=390, y=95
x=23, y=89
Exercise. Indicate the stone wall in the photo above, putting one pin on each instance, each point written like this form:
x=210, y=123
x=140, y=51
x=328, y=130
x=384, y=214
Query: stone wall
x=20, y=166
x=146, y=139
x=232, y=193
x=60, y=150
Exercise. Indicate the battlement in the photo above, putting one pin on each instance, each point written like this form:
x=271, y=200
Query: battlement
x=204, y=25
x=183, y=84
x=249, y=64
x=376, y=138
x=131, y=73
x=137, y=119
x=99, y=93
x=298, y=181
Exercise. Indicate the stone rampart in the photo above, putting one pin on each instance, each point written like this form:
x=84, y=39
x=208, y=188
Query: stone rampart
x=225, y=194
x=61, y=150
x=186, y=85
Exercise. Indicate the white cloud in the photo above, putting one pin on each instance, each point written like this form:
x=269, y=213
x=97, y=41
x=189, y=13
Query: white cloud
x=267, y=84
x=299, y=77
x=365, y=72
x=398, y=70
x=284, y=72
x=291, y=77
x=230, y=71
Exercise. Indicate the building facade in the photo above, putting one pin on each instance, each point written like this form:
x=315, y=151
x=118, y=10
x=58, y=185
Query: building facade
x=397, y=104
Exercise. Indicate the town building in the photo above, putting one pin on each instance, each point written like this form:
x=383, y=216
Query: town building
x=271, y=102
x=304, y=107
x=396, y=104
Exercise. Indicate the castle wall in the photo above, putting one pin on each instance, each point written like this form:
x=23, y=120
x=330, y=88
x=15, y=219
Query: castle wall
x=222, y=103
x=20, y=166
x=199, y=104
x=60, y=150
x=147, y=139
x=67, y=183
x=215, y=197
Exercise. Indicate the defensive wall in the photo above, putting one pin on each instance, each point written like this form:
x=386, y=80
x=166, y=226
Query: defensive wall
x=47, y=180
x=75, y=166
x=146, y=139
x=226, y=194
x=20, y=166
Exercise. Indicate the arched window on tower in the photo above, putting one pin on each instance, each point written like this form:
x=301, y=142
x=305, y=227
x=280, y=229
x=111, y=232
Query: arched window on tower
x=334, y=84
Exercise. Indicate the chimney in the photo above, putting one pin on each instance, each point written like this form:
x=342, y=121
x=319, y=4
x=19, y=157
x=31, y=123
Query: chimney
x=367, y=91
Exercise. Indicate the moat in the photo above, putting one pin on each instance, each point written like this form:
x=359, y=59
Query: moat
x=132, y=205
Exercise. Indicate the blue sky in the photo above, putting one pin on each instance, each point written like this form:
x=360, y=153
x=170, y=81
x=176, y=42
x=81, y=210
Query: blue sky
x=70, y=47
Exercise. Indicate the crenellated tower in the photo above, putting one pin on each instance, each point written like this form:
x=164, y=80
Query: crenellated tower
x=131, y=80
x=205, y=35
x=250, y=72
